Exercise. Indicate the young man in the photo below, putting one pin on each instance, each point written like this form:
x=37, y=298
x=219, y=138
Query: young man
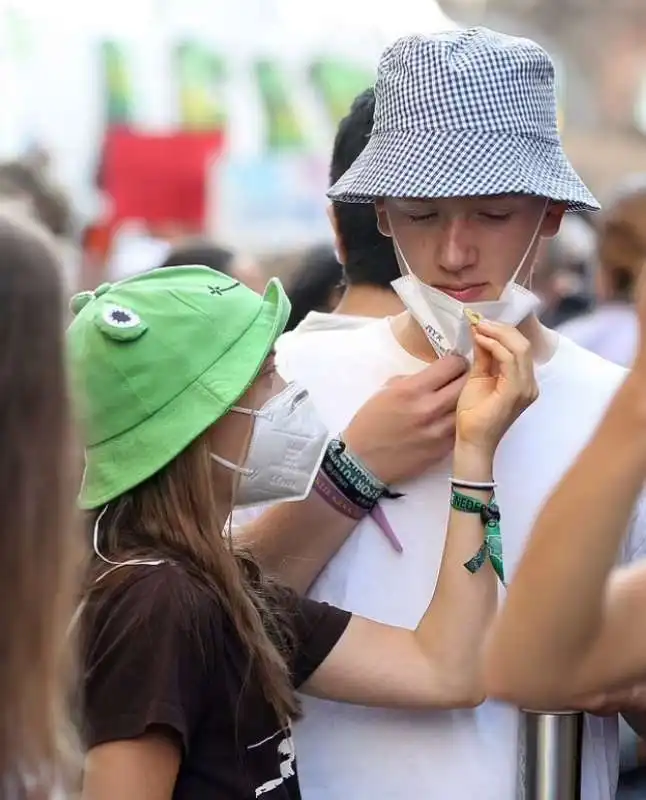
x=466, y=172
x=366, y=255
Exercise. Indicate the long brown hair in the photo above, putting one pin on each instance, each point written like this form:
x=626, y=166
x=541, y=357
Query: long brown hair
x=40, y=547
x=174, y=515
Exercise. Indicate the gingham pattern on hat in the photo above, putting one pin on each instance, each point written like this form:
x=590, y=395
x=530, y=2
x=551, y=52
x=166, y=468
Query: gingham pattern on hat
x=463, y=114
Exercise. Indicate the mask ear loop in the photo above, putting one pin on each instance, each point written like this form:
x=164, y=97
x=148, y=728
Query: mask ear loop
x=130, y=563
x=400, y=253
x=250, y=412
x=247, y=471
x=531, y=243
x=114, y=565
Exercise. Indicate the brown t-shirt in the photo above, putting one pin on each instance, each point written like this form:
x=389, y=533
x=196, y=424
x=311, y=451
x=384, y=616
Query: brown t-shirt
x=162, y=653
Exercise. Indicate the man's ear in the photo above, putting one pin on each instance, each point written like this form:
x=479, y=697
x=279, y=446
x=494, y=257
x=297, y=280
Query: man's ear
x=339, y=246
x=553, y=219
x=383, y=220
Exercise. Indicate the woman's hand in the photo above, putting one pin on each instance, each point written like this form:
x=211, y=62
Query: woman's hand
x=500, y=386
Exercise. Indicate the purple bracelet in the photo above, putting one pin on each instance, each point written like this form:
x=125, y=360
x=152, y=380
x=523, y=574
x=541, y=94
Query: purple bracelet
x=335, y=498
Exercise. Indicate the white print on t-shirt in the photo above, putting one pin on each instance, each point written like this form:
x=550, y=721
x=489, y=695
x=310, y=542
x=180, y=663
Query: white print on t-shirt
x=286, y=752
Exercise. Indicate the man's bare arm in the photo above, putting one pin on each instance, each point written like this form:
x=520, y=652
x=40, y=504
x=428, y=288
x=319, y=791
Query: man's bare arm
x=294, y=541
x=398, y=434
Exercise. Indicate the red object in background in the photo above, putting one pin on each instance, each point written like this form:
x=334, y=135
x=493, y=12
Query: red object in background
x=160, y=179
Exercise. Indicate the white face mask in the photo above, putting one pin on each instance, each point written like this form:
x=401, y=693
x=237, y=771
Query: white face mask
x=442, y=317
x=286, y=450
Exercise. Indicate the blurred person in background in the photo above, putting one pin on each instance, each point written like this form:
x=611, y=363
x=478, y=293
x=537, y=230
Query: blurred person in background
x=366, y=256
x=315, y=288
x=26, y=186
x=40, y=552
x=49, y=204
x=561, y=277
x=611, y=330
x=207, y=253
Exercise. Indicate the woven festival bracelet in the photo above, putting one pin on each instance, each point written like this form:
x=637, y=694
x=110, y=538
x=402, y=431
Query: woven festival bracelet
x=353, y=478
x=492, y=546
x=324, y=487
x=334, y=497
x=336, y=476
x=342, y=482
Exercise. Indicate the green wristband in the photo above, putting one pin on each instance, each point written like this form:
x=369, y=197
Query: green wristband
x=492, y=546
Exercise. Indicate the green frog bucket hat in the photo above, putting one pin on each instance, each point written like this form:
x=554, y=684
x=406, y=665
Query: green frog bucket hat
x=158, y=358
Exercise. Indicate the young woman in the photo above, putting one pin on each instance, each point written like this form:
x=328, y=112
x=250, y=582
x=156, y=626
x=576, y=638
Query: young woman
x=191, y=657
x=573, y=626
x=39, y=545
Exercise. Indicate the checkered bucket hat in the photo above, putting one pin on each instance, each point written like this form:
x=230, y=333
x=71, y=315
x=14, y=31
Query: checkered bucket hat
x=463, y=114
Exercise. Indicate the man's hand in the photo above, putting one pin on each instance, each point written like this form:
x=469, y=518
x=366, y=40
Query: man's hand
x=409, y=425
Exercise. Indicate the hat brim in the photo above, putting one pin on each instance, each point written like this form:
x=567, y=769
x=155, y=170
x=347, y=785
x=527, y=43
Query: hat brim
x=123, y=462
x=438, y=164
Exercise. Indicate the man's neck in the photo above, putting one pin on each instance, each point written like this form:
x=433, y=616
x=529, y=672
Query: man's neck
x=413, y=339
x=369, y=301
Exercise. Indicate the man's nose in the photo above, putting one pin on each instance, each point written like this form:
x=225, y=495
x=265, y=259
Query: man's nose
x=457, y=250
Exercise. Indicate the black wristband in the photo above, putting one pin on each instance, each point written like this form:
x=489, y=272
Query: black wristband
x=352, y=478
x=345, y=485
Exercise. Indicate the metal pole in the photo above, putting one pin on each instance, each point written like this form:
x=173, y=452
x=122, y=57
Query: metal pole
x=550, y=755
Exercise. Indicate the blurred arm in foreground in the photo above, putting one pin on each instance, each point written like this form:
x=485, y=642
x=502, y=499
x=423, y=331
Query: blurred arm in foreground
x=573, y=625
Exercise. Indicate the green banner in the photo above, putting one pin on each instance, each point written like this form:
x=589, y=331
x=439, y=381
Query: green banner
x=284, y=128
x=119, y=92
x=337, y=84
x=200, y=75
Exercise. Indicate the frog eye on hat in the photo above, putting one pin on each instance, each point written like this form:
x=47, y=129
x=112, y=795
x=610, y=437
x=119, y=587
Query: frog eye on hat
x=120, y=317
x=120, y=323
